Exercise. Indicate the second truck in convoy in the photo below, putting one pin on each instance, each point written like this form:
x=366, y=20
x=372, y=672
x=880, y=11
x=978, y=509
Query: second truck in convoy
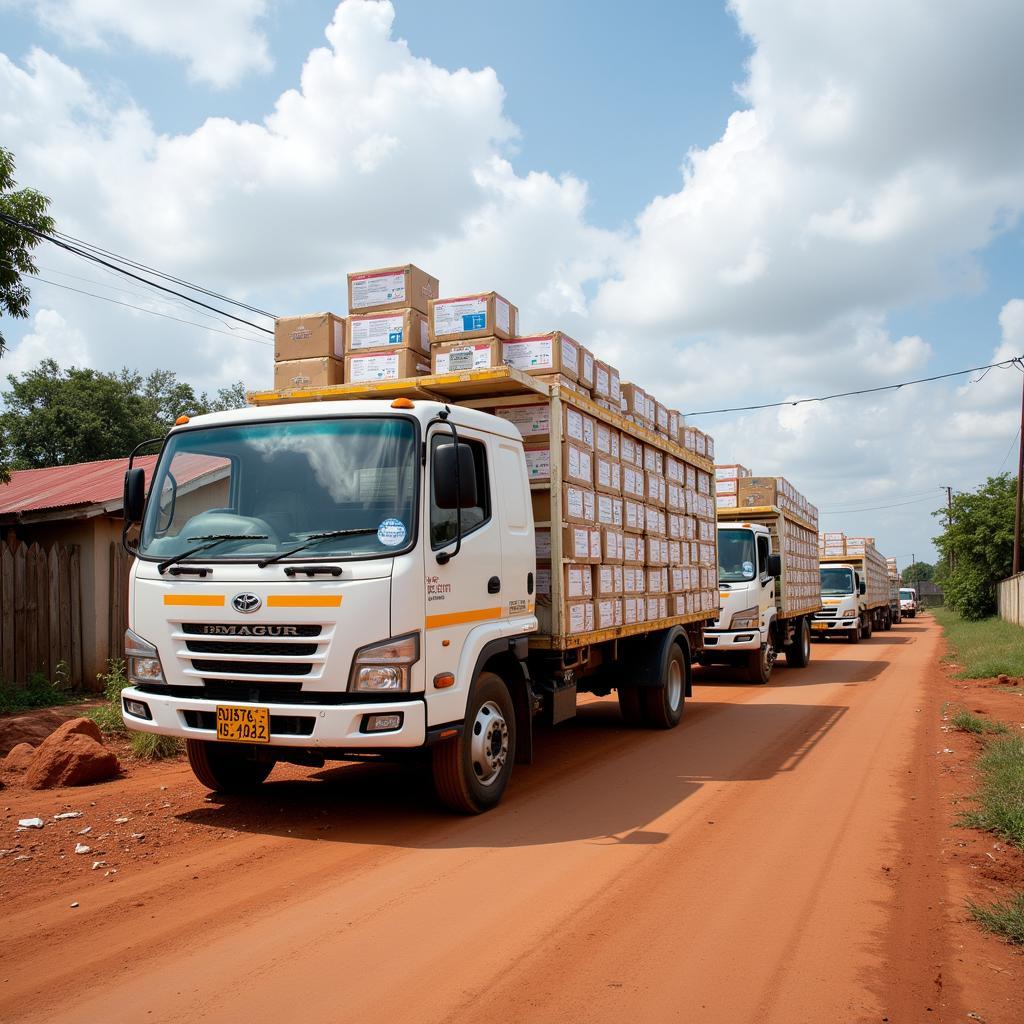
x=854, y=592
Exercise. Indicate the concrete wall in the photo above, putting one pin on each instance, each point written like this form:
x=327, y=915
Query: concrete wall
x=1010, y=599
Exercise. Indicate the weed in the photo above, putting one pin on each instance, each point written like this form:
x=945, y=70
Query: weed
x=39, y=692
x=1006, y=919
x=108, y=716
x=1001, y=798
x=989, y=647
x=149, y=746
x=966, y=721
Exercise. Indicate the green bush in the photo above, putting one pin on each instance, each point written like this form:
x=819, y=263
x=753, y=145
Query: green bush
x=971, y=592
x=1001, y=799
x=108, y=716
x=966, y=721
x=38, y=692
x=1006, y=919
x=149, y=746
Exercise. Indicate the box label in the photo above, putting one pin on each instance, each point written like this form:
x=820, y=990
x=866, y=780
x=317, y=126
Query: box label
x=529, y=420
x=538, y=467
x=535, y=354
x=472, y=357
x=383, y=366
x=459, y=315
x=501, y=314
x=378, y=289
x=376, y=332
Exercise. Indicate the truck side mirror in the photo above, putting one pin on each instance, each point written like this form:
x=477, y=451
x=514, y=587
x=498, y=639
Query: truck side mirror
x=134, y=495
x=775, y=565
x=444, y=473
x=863, y=587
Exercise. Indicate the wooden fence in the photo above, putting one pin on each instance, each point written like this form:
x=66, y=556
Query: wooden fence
x=120, y=564
x=1010, y=599
x=40, y=613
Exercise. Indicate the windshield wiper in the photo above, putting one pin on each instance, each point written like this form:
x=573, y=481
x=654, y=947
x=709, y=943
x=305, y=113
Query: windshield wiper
x=212, y=540
x=312, y=539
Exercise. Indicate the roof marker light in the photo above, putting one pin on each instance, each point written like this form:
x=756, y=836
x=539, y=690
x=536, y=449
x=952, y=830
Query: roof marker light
x=180, y=421
x=403, y=403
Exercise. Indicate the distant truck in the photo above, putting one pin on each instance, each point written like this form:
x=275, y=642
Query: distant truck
x=908, y=602
x=854, y=593
x=894, y=600
x=769, y=590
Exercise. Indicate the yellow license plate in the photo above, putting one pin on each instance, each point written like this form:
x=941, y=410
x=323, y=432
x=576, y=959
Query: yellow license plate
x=819, y=625
x=243, y=725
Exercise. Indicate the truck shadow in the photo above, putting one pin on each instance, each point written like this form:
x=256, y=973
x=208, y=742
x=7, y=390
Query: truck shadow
x=592, y=780
x=821, y=673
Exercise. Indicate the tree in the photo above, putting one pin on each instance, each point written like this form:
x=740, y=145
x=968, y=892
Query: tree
x=16, y=244
x=57, y=417
x=979, y=534
x=918, y=572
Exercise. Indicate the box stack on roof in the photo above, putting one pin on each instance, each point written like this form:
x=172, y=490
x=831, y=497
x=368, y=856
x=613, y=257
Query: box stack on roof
x=727, y=480
x=890, y=564
x=754, y=491
x=308, y=350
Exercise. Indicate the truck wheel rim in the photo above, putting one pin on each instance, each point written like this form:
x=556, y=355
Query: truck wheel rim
x=674, y=685
x=488, y=745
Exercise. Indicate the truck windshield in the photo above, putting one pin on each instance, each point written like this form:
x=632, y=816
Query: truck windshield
x=907, y=595
x=836, y=582
x=737, y=559
x=268, y=487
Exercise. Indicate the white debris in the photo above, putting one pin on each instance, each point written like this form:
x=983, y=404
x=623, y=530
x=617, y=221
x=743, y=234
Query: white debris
x=82, y=848
x=96, y=864
x=30, y=823
x=73, y=905
x=85, y=831
x=23, y=856
x=139, y=835
x=121, y=821
x=67, y=815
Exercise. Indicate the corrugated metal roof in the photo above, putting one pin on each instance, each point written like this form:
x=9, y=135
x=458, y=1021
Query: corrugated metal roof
x=85, y=483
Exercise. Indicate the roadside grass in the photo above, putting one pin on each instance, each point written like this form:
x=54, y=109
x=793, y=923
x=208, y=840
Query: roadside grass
x=1005, y=919
x=1001, y=797
x=39, y=692
x=148, y=746
x=967, y=721
x=983, y=649
x=108, y=715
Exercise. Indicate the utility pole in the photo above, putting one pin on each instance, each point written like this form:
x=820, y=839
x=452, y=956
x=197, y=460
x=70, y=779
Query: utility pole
x=1020, y=476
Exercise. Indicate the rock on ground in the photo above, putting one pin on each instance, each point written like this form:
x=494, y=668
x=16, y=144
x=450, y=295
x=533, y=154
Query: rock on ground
x=19, y=758
x=72, y=755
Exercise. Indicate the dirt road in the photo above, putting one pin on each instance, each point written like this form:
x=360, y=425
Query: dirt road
x=760, y=863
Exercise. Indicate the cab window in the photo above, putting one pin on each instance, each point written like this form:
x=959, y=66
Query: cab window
x=443, y=527
x=762, y=555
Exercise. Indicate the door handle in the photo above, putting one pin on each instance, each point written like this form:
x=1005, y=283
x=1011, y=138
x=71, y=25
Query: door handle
x=493, y=585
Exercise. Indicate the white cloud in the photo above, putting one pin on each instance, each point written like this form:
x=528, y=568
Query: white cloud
x=50, y=337
x=220, y=41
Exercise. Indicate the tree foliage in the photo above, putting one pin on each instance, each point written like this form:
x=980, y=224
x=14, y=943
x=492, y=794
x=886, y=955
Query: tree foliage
x=979, y=535
x=16, y=244
x=917, y=572
x=56, y=416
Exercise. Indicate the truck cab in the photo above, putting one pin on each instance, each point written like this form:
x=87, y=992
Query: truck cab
x=316, y=579
x=843, y=605
x=744, y=631
x=908, y=602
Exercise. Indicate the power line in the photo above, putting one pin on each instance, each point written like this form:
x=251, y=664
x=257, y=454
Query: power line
x=873, y=508
x=152, y=312
x=1008, y=450
x=24, y=225
x=909, y=494
x=1004, y=365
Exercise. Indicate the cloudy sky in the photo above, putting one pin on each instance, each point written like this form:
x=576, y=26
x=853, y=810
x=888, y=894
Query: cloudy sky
x=736, y=205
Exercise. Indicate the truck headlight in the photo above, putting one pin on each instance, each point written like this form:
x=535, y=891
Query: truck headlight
x=384, y=667
x=749, y=618
x=143, y=659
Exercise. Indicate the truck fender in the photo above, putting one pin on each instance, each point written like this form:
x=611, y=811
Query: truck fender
x=650, y=656
x=506, y=657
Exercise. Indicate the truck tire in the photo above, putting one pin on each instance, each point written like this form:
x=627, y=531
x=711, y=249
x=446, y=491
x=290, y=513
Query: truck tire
x=663, y=705
x=226, y=767
x=760, y=664
x=865, y=627
x=798, y=653
x=853, y=635
x=472, y=770
x=631, y=706
x=886, y=620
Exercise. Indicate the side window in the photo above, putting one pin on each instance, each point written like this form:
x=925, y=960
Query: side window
x=442, y=520
x=762, y=555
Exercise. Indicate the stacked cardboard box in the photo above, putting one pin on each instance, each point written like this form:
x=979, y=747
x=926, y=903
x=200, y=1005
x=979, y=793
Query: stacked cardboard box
x=308, y=351
x=639, y=541
x=727, y=480
x=752, y=491
x=894, y=572
x=799, y=544
x=386, y=337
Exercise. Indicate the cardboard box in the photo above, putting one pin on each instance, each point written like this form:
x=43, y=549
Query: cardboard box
x=578, y=464
x=608, y=612
x=308, y=373
x=577, y=582
x=403, y=287
x=365, y=367
x=607, y=475
x=726, y=501
x=731, y=471
x=606, y=440
x=579, y=617
x=384, y=332
x=634, y=516
x=459, y=356
x=609, y=510
x=542, y=539
x=728, y=486
x=470, y=316
x=541, y=354
x=612, y=545
x=607, y=580
x=581, y=543
x=586, y=368
x=577, y=426
x=538, y=462
x=578, y=504
x=532, y=421
x=633, y=549
x=602, y=386
x=312, y=336
x=753, y=491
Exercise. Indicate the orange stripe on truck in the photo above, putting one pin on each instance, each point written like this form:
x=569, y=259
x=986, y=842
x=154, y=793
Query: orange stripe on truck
x=304, y=601
x=205, y=600
x=457, y=618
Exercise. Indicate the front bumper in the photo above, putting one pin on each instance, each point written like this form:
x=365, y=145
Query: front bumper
x=732, y=640
x=823, y=626
x=296, y=725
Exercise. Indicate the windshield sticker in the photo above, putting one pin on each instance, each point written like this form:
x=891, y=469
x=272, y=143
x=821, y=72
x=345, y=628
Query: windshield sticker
x=391, y=533
x=748, y=568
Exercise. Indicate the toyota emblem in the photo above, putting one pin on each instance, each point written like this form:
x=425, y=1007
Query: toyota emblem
x=246, y=603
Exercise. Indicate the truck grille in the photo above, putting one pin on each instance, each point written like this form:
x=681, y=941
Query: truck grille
x=825, y=613
x=258, y=652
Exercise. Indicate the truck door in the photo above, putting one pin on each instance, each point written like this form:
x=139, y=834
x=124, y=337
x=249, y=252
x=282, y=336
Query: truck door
x=766, y=599
x=463, y=594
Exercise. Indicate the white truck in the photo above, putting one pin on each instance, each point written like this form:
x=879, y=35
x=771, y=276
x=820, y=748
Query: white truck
x=908, y=602
x=769, y=591
x=352, y=570
x=854, y=595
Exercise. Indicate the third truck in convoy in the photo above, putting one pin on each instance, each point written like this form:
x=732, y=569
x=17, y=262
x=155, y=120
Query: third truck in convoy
x=854, y=589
